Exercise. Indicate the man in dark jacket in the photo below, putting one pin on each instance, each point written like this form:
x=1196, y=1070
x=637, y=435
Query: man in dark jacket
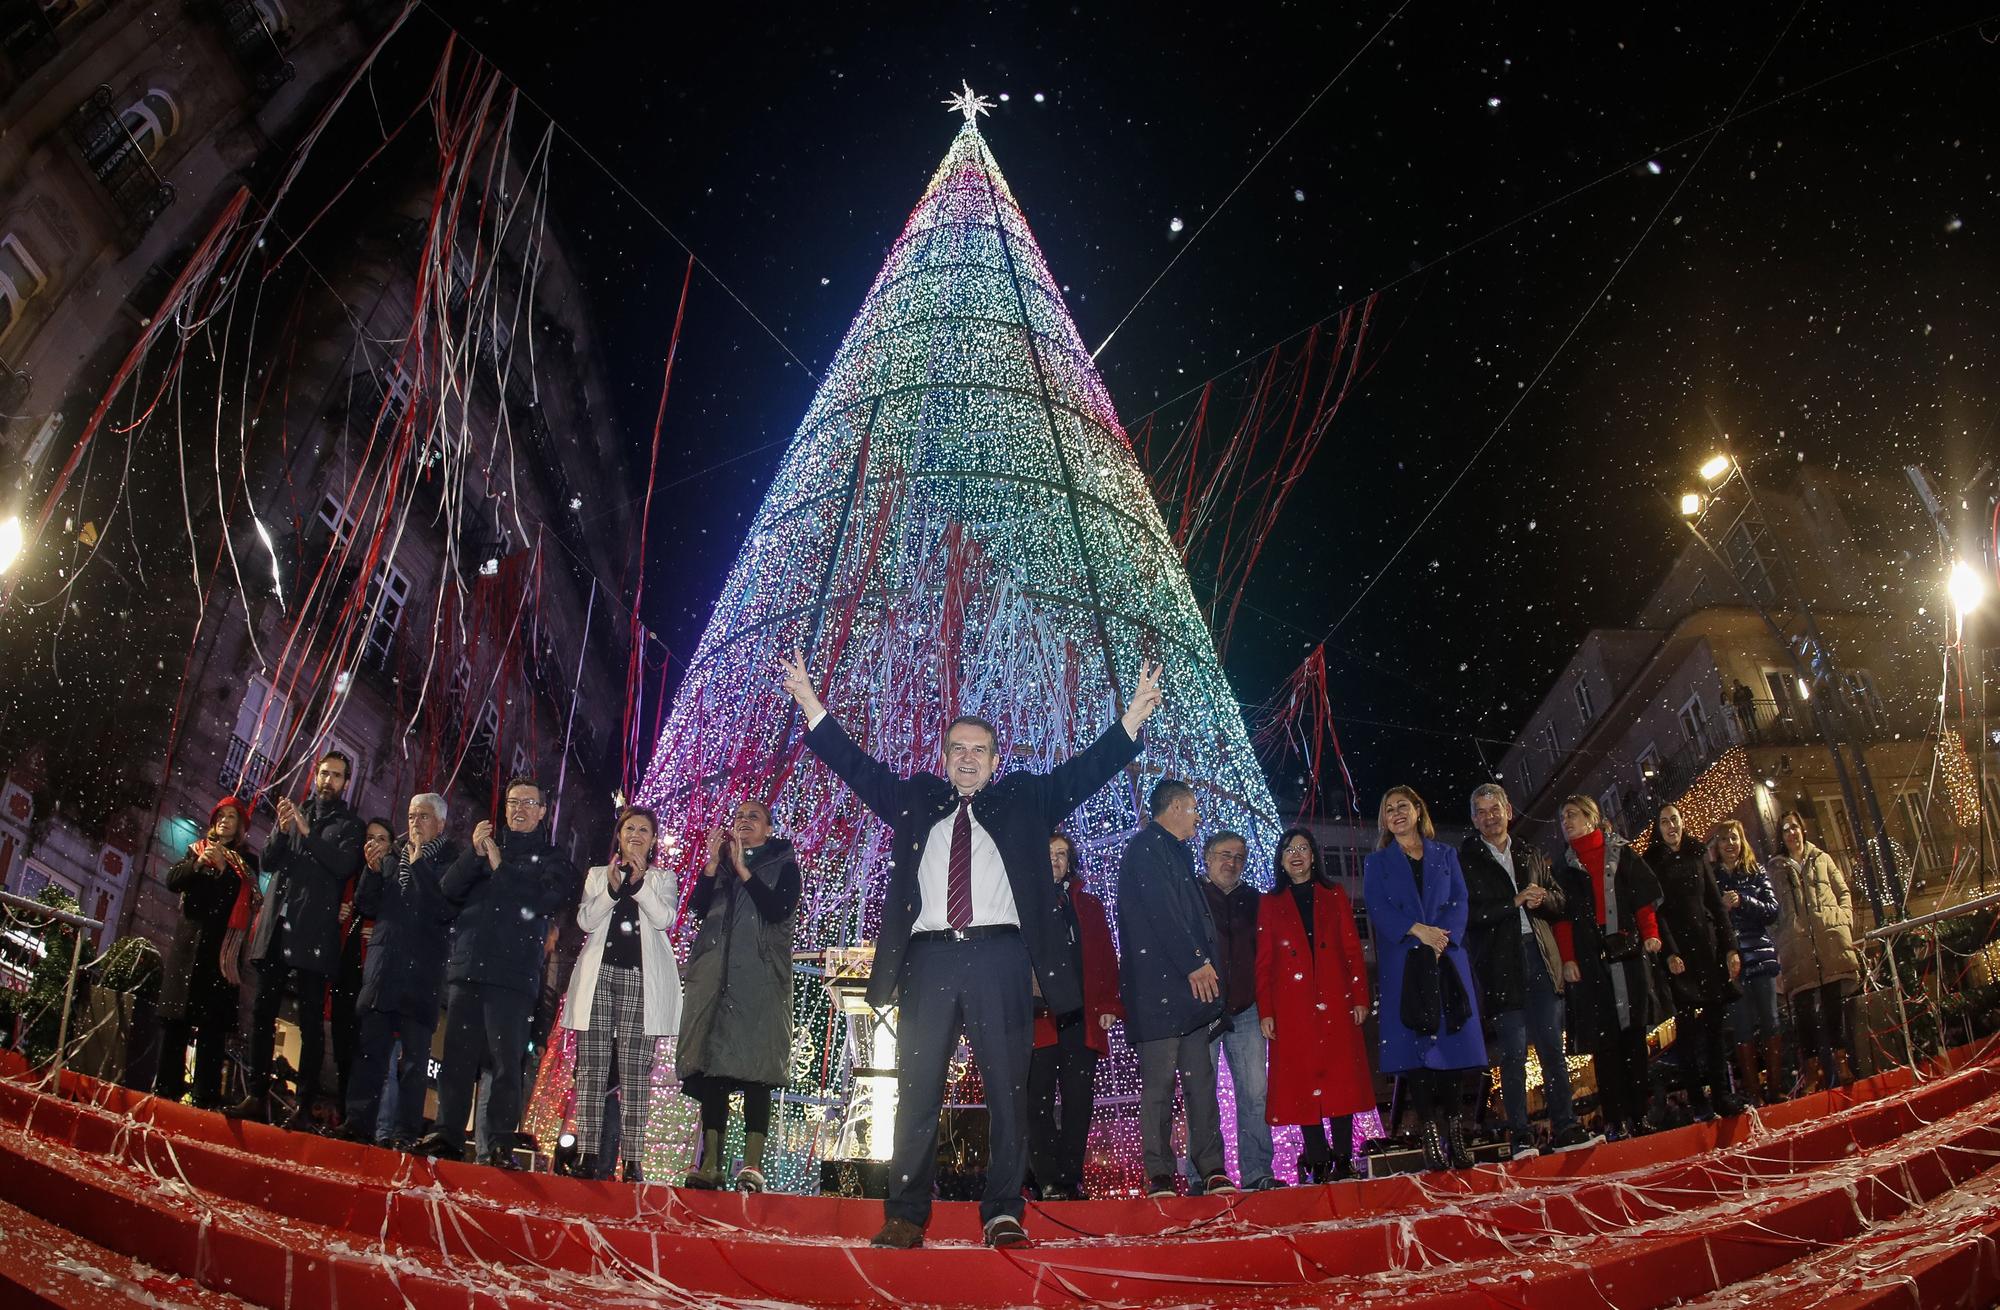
x=505, y=887
x=1232, y=906
x=311, y=855
x=1173, y=994
x=968, y=929
x=403, y=892
x=1514, y=901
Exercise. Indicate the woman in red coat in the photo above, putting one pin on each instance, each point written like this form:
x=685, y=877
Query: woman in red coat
x=1312, y=991
x=1068, y=1046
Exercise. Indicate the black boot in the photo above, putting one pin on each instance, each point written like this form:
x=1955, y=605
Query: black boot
x=1434, y=1148
x=1459, y=1152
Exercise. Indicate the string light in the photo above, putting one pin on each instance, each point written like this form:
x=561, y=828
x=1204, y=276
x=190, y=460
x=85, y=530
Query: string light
x=959, y=525
x=1961, y=779
x=1717, y=793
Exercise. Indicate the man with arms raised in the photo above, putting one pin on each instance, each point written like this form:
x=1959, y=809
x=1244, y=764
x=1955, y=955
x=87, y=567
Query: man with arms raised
x=968, y=930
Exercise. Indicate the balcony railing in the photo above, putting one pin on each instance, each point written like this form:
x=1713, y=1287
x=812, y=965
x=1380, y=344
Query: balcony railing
x=257, y=46
x=139, y=194
x=243, y=770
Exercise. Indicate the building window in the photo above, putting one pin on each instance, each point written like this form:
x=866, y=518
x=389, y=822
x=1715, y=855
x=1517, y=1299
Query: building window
x=337, y=520
x=1836, y=827
x=1550, y=742
x=260, y=733
x=388, y=593
x=20, y=279
x=523, y=767
x=1694, y=723
x=1585, y=712
x=1916, y=822
x=396, y=388
x=1649, y=764
x=151, y=120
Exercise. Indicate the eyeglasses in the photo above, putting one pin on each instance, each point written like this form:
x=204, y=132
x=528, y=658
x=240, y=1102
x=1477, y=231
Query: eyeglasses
x=523, y=803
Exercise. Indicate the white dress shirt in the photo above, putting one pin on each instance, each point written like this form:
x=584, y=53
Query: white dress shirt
x=1506, y=857
x=992, y=894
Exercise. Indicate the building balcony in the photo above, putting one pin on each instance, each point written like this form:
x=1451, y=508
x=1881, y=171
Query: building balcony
x=259, y=46
x=243, y=770
x=137, y=192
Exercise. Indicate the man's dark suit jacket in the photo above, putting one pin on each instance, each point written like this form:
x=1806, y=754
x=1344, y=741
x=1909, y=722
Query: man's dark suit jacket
x=1020, y=811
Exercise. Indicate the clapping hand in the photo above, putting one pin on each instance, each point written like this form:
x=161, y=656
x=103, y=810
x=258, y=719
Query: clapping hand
x=716, y=837
x=482, y=842
x=1146, y=698
x=289, y=816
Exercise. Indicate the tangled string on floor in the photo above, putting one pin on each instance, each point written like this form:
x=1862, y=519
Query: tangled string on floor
x=1882, y=1193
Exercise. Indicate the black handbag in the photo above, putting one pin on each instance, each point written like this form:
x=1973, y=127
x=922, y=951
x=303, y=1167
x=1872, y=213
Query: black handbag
x=1434, y=995
x=1620, y=947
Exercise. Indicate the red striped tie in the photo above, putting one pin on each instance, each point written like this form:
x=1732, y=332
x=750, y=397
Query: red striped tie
x=958, y=886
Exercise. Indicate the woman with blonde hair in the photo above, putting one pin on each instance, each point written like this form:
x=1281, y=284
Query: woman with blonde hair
x=1415, y=894
x=1611, y=928
x=1752, y=907
x=1819, y=967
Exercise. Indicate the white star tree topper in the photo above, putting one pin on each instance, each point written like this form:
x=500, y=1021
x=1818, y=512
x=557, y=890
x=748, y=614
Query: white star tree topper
x=968, y=103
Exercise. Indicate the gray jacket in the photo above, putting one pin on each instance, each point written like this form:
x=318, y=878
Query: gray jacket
x=736, y=992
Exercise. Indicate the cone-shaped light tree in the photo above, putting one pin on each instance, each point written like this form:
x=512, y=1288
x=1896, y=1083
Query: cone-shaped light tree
x=958, y=526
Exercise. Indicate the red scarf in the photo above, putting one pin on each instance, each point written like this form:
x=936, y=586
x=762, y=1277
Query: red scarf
x=1589, y=850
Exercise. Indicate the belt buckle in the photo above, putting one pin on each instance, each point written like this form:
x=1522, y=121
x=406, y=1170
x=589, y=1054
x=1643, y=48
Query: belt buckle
x=960, y=934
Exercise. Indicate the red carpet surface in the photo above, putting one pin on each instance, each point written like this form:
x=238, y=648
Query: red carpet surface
x=1884, y=1193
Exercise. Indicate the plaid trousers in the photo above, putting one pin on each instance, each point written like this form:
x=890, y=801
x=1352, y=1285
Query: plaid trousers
x=617, y=1025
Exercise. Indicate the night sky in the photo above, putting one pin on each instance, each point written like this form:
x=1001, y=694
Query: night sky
x=1819, y=284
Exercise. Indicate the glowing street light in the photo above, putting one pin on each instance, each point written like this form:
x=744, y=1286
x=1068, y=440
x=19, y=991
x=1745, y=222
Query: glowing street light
x=1717, y=465
x=1691, y=503
x=10, y=541
x=1966, y=587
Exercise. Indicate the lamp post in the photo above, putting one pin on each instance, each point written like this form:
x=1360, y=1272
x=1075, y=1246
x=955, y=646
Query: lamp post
x=1967, y=590
x=1830, y=713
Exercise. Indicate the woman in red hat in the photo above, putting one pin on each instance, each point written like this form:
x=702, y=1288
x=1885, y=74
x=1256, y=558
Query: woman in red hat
x=217, y=884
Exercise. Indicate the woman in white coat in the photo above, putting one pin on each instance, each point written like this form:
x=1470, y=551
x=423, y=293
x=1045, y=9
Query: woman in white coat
x=625, y=992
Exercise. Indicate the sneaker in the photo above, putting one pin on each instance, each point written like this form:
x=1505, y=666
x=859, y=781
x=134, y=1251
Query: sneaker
x=1525, y=1148
x=1159, y=1187
x=900, y=1235
x=1003, y=1231
x=1218, y=1184
x=1574, y=1138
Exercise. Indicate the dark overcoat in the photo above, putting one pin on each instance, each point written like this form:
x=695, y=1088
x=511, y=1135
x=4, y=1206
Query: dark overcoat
x=411, y=943
x=503, y=913
x=191, y=983
x=308, y=876
x=1164, y=934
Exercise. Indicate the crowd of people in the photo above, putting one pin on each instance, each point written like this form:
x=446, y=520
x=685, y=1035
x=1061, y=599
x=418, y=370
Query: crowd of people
x=1483, y=952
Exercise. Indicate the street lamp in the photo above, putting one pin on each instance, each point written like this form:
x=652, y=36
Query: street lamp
x=10, y=541
x=1966, y=588
x=1690, y=503
x=1712, y=471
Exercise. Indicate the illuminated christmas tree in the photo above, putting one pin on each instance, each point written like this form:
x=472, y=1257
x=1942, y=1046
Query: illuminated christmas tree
x=959, y=526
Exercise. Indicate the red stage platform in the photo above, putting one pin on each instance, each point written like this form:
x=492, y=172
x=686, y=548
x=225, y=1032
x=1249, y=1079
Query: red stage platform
x=1884, y=1193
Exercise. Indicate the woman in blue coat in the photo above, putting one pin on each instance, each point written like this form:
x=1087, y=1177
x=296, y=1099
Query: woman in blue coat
x=1416, y=897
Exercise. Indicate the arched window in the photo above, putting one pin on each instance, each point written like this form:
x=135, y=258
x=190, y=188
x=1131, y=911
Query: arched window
x=20, y=278
x=151, y=119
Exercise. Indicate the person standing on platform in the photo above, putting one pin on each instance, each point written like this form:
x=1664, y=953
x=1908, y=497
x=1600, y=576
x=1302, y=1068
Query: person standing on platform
x=1232, y=904
x=1820, y=967
x=1752, y=904
x=506, y=887
x=312, y=854
x=625, y=991
x=343, y=1015
x=1173, y=994
x=1701, y=961
x=1510, y=932
x=1609, y=931
x=200, y=986
x=1312, y=990
x=968, y=932
x=736, y=1028
x=1416, y=898
x=1067, y=1050
x=403, y=976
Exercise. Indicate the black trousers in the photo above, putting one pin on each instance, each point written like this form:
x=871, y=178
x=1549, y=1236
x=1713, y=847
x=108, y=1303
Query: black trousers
x=210, y=1053
x=375, y=1037
x=1056, y=1141
x=1819, y=1019
x=272, y=975
x=1318, y=1150
x=483, y=1025
x=1701, y=1037
x=1622, y=1089
x=983, y=988
x=712, y=1095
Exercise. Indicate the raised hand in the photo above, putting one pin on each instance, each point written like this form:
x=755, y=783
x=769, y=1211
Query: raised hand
x=716, y=837
x=1145, y=699
x=373, y=850
x=798, y=683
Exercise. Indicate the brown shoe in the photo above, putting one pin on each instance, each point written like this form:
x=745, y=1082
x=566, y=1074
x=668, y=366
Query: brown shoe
x=899, y=1235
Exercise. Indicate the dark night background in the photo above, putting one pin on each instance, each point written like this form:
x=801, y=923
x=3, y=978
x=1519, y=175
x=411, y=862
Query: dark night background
x=1822, y=286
